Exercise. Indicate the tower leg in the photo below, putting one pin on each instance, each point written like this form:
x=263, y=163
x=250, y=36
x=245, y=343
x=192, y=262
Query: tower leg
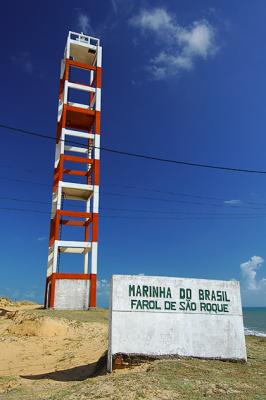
x=93, y=286
x=86, y=263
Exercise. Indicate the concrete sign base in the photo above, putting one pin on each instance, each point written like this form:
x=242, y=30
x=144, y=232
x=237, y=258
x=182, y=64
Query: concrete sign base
x=159, y=316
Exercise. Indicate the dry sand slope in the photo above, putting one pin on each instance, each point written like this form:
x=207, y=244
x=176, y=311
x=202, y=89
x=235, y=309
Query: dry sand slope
x=53, y=355
x=35, y=347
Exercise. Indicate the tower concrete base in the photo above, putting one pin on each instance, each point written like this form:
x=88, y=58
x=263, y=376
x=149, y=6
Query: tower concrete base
x=68, y=292
x=72, y=294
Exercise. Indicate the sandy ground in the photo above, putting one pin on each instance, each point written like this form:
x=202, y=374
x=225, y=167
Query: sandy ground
x=36, y=348
x=49, y=355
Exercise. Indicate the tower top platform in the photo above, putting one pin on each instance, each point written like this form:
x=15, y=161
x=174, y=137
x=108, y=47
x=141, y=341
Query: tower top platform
x=81, y=48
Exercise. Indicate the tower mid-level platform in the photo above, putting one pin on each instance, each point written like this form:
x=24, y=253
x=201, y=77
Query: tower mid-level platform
x=76, y=191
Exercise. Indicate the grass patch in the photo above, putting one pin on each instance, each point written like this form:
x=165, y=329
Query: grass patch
x=100, y=315
x=186, y=379
x=181, y=379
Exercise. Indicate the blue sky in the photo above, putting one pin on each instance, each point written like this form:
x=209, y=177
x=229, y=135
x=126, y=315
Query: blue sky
x=183, y=80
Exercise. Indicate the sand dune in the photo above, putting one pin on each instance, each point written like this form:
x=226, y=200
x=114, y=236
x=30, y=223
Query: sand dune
x=37, y=347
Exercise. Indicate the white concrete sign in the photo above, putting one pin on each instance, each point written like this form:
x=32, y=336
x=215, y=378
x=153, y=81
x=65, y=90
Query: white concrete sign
x=159, y=316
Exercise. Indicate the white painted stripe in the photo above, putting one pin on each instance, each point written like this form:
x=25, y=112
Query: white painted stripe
x=91, y=76
x=62, y=69
x=79, y=134
x=72, y=250
x=54, y=204
x=99, y=56
x=95, y=207
x=62, y=145
x=79, y=105
x=65, y=94
x=55, y=259
x=76, y=149
x=57, y=154
x=98, y=99
x=94, y=256
x=92, y=103
x=59, y=196
x=97, y=144
x=68, y=49
x=51, y=254
x=78, y=86
x=73, y=185
x=60, y=110
x=86, y=263
x=71, y=243
x=49, y=270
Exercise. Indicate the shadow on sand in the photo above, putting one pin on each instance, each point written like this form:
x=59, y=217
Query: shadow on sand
x=80, y=373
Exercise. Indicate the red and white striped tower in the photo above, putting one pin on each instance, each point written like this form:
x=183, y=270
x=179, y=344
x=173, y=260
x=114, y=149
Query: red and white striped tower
x=76, y=174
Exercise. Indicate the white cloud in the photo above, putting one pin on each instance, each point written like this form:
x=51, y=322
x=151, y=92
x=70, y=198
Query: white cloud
x=198, y=39
x=103, y=285
x=84, y=23
x=23, y=61
x=233, y=202
x=41, y=238
x=32, y=295
x=103, y=291
x=154, y=20
x=114, y=6
x=122, y=6
x=182, y=46
x=249, y=272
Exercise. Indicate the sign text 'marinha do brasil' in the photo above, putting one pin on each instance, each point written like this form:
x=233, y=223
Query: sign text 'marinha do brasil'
x=163, y=299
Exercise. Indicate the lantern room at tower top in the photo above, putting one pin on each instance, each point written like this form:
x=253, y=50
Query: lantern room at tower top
x=75, y=199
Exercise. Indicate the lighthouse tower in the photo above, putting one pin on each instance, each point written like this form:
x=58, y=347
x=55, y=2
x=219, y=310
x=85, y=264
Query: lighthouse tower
x=75, y=200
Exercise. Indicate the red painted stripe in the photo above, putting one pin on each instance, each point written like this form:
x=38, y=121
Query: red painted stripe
x=93, y=288
x=61, y=275
x=77, y=64
x=95, y=220
x=66, y=157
